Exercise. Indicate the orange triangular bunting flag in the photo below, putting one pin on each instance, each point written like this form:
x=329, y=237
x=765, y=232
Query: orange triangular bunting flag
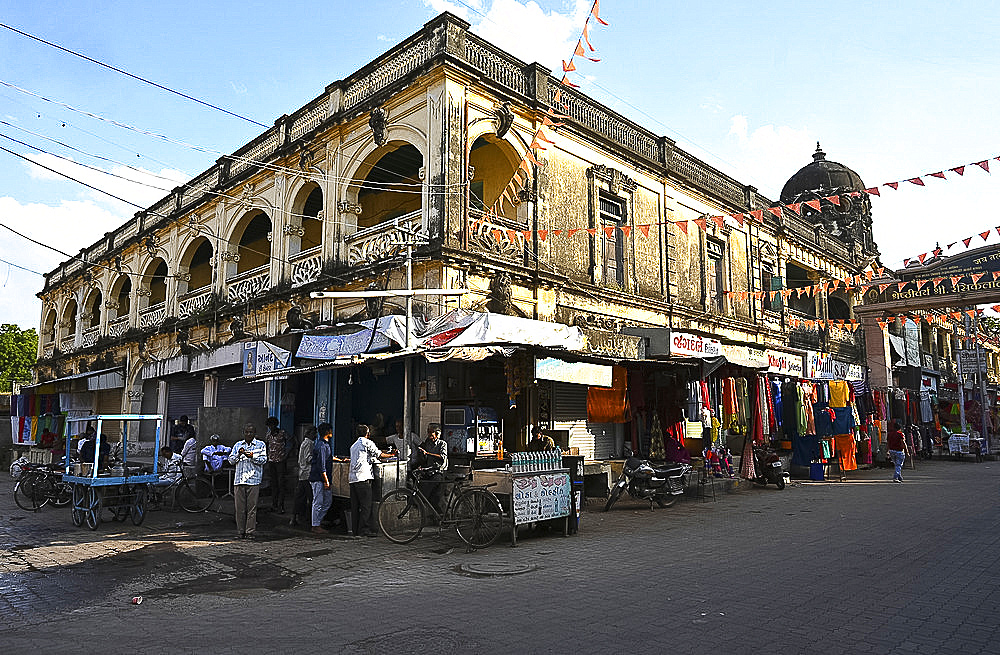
x=757, y=215
x=498, y=235
x=683, y=225
x=795, y=207
x=565, y=82
x=955, y=279
x=626, y=230
x=892, y=185
x=938, y=174
x=916, y=180
x=586, y=37
x=592, y=231
x=967, y=241
x=557, y=233
x=996, y=275
x=938, y=281
x=958, y=169
x=775, y=210
x=977, y=277
x=985, y=234
x=547, y=122
x=813, y=203
x=922, y=257
x=567, y=67
x=985, y=165
x=644, y=229
x=610, y=231
x=739, y=218
x=532, y=159
x=873, y=191
x=921, y=284
x=542, y=234
x=701, y=222
x=720, y=221
x=834, y=199
x=511, y=235
x=541, y=135
x=570, y=233
x=593, y=12
x=971, y=313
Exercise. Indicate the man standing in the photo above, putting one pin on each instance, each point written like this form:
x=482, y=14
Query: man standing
x=363, y=453
x=249, y=457
x=432, y=456
x=321, y=472
x=302, y=502
x=189, y=451
x=180, y=433
x=278, y=443
x=406, y=446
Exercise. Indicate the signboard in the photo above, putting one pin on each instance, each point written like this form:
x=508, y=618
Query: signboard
x=685, y=344
x=784, y=363
x=744, y=356
x=263, y=357
x=342, y=345
x=594, y=375
x=821, y=366
x=540, y=497
x=968, y=360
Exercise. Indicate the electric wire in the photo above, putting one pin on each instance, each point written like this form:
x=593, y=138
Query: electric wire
x=133, y=76
x=21, y=267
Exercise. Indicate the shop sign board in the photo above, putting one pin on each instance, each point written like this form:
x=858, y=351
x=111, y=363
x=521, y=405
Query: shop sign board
x=540, y=497
x=821, y=366
x=744, y=356
x=342, y=345
x=968, y=360
x=784, y=363
x=686, y=344
x=263, y=357
x=593, y=375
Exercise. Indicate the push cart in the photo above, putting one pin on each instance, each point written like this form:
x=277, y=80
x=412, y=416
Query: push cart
x=121, y=488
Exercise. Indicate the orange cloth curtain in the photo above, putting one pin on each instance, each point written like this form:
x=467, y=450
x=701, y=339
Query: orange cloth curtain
x=610, y=404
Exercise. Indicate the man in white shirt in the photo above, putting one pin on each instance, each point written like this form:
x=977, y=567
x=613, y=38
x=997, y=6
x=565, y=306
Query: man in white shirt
x=363, y=453
x=189, y=451
x=170, y=469
x=214, y=454
x=249, y=457
x=406, y=447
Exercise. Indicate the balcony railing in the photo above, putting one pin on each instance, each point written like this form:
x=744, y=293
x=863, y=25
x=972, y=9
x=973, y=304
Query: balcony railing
x=307, y=266
x=152, y=315
x=90, y=336
x=496, y=235
x=248, y=284
x=48, y=349
x=117, y=326
x=381, y=241
x=66, y=343
x=194, y=301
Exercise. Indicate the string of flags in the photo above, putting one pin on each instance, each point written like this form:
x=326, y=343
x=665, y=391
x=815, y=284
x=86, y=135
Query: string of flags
x=522, y=174
x=939, y=250
x=852, y=325
x=860, y=281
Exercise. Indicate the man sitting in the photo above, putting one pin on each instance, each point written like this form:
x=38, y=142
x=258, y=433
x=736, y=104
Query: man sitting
x=214, y=454
x=171, y=467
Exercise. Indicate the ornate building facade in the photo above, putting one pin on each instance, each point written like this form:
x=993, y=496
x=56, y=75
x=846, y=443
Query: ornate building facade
x=413, y=148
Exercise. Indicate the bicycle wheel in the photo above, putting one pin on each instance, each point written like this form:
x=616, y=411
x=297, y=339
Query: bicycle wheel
x=76, y=511
x=401, y=516
x=478, y=517
x=92, y=514
x=62, y=494
x=195, y=495
x=138, y=511
x=29, y=492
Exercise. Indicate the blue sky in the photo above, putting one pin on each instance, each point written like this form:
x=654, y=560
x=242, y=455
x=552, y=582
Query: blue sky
x=892, y=89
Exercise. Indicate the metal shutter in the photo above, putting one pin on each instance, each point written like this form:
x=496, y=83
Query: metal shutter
x=149, y=405
x=569, y=412
x=236, y=393
x=185, y=394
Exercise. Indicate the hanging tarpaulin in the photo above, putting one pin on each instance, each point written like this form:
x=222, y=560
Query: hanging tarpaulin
x=342, y=345
x=610, y=405
x=463, y=328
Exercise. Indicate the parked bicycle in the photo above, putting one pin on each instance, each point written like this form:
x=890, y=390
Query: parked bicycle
x=474, y=512
x=192, y=494
x=41, y=484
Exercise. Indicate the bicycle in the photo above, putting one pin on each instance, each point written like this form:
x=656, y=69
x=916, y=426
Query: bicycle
x=474, y=511
x=192, y=494
x=38, y=486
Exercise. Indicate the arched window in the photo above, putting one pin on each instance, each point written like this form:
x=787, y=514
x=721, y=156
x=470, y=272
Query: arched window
x=254, y=243
x=312, y=221
x=391, y=188
x=157, y=282
x=49, y=327
x=69, y=320
x=121, y=291
x=93, y=308
x=199, y=264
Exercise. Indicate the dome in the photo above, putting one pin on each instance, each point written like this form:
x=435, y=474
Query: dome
x=821, y=175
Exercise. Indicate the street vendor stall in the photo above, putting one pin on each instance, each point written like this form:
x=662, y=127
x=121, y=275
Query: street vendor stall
x=121, y=488
x=530, y=496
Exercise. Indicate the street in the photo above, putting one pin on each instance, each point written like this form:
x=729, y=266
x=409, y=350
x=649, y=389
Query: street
x=865, y=566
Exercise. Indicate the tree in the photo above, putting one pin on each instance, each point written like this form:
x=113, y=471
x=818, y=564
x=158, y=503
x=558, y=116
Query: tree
x=17, y=354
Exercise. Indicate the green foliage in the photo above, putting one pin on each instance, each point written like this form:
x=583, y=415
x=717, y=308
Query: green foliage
x=17, y=353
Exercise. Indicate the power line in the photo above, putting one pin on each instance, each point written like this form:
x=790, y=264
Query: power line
x=21, y=267
x=128, y=74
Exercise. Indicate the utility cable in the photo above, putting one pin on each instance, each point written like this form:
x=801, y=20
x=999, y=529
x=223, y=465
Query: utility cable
x=21, y=267
x=128, y=74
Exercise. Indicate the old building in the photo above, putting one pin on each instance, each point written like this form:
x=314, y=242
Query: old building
x=614, y=231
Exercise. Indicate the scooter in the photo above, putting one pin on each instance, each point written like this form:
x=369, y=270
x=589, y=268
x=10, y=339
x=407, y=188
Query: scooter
x=767, y=465
x=661, y=483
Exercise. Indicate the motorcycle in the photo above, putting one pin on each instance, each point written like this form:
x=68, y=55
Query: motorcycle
x=661, y=483
x=767, y=465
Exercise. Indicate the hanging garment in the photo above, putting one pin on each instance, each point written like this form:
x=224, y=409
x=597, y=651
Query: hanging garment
x=805, y=449
x=747, y=469
x=843, y=421
x=776, y=403
x=865, y=451
x=839, y=393
x=846, y=449
x=742, y=401
x=926, y=414
x=729, y=411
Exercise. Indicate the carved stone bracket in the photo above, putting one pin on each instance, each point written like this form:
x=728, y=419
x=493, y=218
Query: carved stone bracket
x=228, y=256
x=504, y=118
x=182, y=277
x=527, y=195
x=377, y=122
x=345, y=207
x=293, y=231
x=134, y=395
x=143, y=291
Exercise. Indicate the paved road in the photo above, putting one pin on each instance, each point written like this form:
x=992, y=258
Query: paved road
x=857, y=567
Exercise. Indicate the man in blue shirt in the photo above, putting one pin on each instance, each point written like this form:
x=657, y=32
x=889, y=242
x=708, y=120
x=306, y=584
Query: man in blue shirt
x=249, y=457
x=320, y=476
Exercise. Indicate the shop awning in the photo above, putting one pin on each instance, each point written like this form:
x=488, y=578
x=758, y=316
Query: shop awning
x=107, y=378
x=461, y=328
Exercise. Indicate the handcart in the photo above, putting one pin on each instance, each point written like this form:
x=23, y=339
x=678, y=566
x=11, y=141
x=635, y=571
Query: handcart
x=958, y=445
x=121, y=489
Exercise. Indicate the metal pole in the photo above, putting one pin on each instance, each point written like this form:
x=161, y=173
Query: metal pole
x=407, y=361
x=980, y=373
x=961, y=377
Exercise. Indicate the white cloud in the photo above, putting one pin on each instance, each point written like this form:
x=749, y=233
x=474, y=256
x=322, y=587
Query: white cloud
x=769, y=155
x=525, y=29
x=68, y=226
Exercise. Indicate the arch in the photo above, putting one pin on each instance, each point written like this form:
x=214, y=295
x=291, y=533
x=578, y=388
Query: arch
x=120, y=297
x=252, y=238
x=49, y=326
x=307, y=213
x=92, y=307
x=197, y=261
x=494, y=162
x=387, y=182
x=68, y=323
x=155, y=280
x=837, y=308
